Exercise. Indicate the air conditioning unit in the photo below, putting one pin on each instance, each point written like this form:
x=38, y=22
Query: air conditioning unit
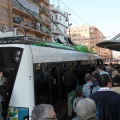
x=16, y=20
x=13, y=33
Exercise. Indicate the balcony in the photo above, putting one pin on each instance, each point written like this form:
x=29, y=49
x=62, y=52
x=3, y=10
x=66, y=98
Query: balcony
x=29, y=27
x=47, y=2
x=20, y=10
x=45, y=9
x=57, y=10
x=45, y=21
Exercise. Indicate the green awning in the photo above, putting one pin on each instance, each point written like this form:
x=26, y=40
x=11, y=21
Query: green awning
x=82, y=48
x=54, y=45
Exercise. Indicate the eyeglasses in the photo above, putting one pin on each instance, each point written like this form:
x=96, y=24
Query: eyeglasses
x=54, y=118
x=50, y=119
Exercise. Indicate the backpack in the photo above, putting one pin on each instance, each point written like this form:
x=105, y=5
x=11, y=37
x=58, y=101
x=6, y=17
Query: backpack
x=103, y=112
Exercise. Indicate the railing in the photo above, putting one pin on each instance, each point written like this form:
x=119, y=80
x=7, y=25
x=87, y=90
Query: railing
x=47, y=1
x=45, y=20
x=38, y=0
x=26, y=23
x=16, y=5
x=44, y=8
x=58, y=10
x=33, y=13
x=43, y=30
x=55, y=31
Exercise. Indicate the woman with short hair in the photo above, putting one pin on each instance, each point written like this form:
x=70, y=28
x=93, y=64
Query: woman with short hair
x=86, y=110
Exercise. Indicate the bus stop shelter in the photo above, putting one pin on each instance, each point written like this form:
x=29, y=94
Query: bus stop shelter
x=113, y=44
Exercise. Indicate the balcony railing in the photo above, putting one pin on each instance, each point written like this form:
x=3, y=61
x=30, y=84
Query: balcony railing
x=16, y=5
x=57, y=9
x=45, y=20
x=47, y=1
x=29, y=25
x=55, y=31
x=45, y=31
x=45, y=9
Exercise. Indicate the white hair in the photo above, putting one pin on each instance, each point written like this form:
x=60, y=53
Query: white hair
x=41, y=111
x=86, y=109
x=114, y=73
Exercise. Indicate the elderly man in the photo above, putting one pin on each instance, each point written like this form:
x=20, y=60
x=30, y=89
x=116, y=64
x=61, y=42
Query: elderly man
x=43, y=112
x=116, y=81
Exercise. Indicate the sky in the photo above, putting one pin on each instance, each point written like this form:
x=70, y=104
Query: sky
x=104, y=14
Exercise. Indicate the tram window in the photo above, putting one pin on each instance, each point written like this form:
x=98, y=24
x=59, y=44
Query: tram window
x=69, y=64
x=9, y=69
x=41, y=84
x=70, y=78
x=54, y=85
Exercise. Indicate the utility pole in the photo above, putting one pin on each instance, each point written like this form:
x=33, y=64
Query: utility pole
x=69, y=24
x=69, y=28
x=58, y=3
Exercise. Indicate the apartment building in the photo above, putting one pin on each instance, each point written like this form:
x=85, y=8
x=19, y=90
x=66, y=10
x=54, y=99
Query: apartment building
x=60, y=19
x=13, y=15
x=89, y=36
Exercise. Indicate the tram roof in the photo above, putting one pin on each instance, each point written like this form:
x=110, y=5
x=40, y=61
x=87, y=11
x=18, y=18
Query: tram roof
x=113, y=44
x=13, y=38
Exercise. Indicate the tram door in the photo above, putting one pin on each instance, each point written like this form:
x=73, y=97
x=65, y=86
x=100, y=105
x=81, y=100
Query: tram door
x=58, y=89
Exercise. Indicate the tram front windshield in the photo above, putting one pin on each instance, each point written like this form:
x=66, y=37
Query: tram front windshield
x=9, y=63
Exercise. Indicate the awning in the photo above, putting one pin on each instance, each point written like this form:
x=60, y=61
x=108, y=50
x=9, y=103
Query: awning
x=113, y=44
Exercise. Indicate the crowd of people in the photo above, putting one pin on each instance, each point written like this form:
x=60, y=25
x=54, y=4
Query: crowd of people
x=102, y=85
x=98, y=100
x=103, y=88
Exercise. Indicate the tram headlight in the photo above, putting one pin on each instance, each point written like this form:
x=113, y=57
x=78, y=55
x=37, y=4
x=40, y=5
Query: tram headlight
x=17, y=53
x=17, y=59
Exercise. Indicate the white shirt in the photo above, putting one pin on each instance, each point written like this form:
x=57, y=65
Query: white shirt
x=104, y=89
x=103, y=72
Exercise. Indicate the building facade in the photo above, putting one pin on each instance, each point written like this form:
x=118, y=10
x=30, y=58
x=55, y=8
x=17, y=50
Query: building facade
x=89, y=36
x=13, y=15
x=60, y=19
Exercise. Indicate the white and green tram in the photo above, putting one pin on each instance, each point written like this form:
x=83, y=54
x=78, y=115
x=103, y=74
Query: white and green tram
x=34, y=75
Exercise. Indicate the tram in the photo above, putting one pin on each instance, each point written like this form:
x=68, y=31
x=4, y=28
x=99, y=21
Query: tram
x=34, y=75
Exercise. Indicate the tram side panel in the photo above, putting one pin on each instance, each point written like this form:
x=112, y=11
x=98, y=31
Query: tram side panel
x=22, y=98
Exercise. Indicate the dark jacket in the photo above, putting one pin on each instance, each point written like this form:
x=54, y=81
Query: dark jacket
x=112, y=101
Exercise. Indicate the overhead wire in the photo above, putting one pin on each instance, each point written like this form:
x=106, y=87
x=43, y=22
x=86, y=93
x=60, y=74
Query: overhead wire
x=74, y=12
x=65, y=37
x=73, y=21
x=48, y=16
